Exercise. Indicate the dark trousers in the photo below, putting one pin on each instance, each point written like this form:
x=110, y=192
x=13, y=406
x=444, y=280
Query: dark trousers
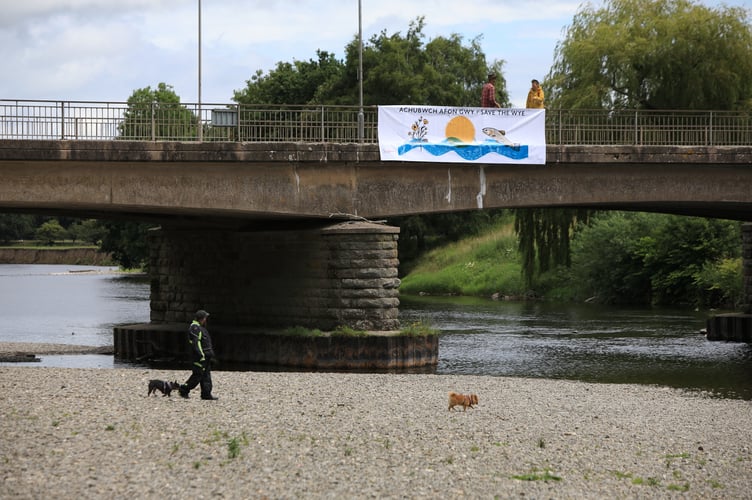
x=200, y=375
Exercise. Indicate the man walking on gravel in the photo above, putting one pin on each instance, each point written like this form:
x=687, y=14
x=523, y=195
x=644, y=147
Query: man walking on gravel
x=198, y=337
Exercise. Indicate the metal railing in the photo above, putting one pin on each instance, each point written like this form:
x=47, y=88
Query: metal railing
x=85, y=120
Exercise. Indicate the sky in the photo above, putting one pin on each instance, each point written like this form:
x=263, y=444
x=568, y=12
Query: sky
x=103, y=50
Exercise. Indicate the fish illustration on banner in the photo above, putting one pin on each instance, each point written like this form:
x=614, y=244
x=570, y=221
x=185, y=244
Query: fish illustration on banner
x=462, y=135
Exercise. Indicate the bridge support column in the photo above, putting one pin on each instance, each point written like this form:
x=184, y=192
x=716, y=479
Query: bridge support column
x=737, y=327
x=339, y=275
x=257, y=284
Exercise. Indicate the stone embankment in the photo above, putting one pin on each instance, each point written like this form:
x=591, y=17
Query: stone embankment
x=70, y=256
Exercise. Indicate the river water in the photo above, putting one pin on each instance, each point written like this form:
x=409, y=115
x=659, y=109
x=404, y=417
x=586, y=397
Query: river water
x=81, y=305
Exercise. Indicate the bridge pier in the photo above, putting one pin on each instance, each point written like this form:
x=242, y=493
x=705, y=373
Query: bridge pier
x=257, y=284
x=737, y=327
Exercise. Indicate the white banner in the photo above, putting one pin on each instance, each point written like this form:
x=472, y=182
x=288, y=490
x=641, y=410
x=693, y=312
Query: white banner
x=462, y=135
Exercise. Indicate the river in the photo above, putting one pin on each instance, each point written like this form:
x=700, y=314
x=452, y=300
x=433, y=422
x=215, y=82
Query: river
x=81, y=304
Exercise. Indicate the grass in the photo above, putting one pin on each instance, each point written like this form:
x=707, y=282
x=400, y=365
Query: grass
x=477, y=266
x=537, y=475
x=414, y=329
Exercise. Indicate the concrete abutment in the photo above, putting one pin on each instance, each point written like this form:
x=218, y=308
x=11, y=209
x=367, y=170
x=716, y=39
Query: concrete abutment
x=256, y=283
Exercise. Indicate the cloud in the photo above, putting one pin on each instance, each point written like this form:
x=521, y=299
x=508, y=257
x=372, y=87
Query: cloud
x=103, y=50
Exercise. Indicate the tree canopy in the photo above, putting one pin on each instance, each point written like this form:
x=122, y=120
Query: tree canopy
x=397, y=69
x=654, y=54
x=647, y=54
x=157, y=113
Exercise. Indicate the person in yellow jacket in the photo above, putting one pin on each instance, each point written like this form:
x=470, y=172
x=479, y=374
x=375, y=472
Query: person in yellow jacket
x=535, y=96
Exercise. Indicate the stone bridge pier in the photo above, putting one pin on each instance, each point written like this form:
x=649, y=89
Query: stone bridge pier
x=258, y=285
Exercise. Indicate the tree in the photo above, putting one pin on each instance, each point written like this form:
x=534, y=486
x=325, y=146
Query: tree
x=51, y=231
x=299, y=82
x=543, y=238
x=664, y=54
x=654, y=54
x=89, y=230
x=15, y=227
x=403, y=70
x=127, y=243
x=641, y=258
x=157, y=114
x=397, y=69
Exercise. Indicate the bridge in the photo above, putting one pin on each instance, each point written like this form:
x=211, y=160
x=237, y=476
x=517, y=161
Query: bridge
x=265, y=221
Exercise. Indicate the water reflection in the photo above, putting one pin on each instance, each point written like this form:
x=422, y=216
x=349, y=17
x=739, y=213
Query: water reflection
x=582, y=342
x=81, y=304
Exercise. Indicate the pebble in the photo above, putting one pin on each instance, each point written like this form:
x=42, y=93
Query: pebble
x=94, y=433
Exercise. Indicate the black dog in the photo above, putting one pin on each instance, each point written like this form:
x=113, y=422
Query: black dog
x=162, y=386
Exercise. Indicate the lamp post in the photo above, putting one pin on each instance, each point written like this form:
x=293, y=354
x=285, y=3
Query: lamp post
x=361, y=118
x=200, y=124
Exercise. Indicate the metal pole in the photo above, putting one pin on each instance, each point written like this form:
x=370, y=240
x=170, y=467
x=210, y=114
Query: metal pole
x=361, y=118
x=200, y=122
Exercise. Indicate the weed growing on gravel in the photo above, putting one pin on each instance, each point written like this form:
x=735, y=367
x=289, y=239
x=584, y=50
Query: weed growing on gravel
x=622, y=475
x=541, y=443
x=678, y=487
x=234, y=444
x=670, y=458
x=110, y=427
x=714, y=484
x=233, y=448
x=537, y=475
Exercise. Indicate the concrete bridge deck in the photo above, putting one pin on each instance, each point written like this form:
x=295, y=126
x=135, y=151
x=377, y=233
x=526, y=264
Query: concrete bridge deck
x=244, y=184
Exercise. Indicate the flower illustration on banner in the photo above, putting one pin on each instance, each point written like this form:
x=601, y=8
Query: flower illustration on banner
x=460, y=138
x=419, y=130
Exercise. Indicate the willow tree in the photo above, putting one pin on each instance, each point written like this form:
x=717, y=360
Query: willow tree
x=654, y=54
x=639, y=54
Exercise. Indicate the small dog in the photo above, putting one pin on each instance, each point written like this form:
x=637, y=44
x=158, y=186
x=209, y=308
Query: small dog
x=464, y=400
x=162, y=386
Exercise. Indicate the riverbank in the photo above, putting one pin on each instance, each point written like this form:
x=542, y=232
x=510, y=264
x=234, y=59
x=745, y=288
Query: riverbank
x=95, y=433
x=69, y=256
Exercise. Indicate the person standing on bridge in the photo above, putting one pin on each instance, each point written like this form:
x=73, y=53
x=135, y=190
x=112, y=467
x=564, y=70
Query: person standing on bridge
x=203, y=352
x=488, y=93
x=535, y=96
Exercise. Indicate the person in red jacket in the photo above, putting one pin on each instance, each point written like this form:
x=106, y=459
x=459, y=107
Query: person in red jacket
x=203, y=352
x=488, y=93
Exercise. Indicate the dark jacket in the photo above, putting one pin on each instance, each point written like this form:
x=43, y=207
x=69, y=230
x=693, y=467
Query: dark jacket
x=200, y=341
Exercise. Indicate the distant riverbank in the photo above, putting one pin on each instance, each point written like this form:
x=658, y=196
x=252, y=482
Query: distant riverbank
x=52, y=255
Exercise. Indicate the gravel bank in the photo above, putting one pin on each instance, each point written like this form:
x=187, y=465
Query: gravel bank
x=89, y=433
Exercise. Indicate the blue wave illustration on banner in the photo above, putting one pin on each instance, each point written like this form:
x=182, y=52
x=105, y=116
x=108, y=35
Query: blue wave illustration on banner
x=467, y=151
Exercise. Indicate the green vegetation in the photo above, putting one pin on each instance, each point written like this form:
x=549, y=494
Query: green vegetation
x=397, y=69
x=617, y=258
x=415, y=329
x=479, y=265
x=233, y=448
x=653, y=54
x=538, y=475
